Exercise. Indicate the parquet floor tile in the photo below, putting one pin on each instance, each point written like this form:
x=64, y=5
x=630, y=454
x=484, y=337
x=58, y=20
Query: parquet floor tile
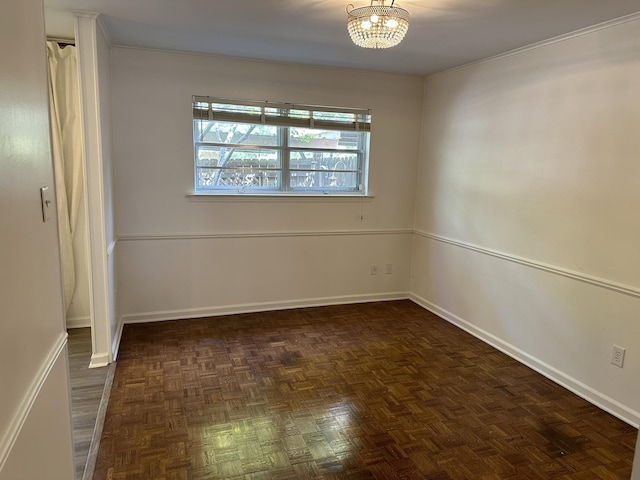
x=372, y=391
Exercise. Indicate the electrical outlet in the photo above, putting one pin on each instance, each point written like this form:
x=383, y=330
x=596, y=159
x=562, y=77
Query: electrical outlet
x=374, y=269
x=388, y=268
x=617, y=356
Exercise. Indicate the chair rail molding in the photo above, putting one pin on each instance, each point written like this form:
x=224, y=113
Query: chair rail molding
x=556, y=270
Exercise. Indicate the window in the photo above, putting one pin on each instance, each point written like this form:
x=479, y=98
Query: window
x=265, y=147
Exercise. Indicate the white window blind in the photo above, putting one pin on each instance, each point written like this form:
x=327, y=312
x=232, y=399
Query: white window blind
x=281, y=114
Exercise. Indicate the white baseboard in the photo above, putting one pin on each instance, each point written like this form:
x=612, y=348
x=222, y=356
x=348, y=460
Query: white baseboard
x=78, y=322
x=259, y=307
x=99, y=360
x=602, y=401
x=115, y=345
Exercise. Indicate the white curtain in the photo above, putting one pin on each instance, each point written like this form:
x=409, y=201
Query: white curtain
x=66, y=135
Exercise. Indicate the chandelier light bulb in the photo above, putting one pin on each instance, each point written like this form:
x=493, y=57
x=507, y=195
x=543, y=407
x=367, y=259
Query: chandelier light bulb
x=378, y=25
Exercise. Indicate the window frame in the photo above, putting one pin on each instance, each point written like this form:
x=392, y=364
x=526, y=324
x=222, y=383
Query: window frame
x=279, y=115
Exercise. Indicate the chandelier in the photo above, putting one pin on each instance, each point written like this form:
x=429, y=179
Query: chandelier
x=378, y=25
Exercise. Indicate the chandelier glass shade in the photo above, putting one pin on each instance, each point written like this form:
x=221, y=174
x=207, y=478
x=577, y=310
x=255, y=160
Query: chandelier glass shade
x=378, y=25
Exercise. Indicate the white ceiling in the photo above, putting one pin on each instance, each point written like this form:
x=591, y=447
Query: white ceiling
x=442, y=33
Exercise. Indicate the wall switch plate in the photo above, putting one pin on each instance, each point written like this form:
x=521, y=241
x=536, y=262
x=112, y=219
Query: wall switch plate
x=374, y=269
x=47, y=203
x=388, y=268
x=617, y=356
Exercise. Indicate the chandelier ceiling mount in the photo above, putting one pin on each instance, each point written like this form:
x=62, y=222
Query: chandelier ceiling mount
x=378, y=25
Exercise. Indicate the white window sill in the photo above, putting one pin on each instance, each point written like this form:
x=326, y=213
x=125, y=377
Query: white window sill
x=278, y=197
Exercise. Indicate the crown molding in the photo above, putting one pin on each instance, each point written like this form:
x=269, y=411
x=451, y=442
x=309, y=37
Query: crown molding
x=550, y=41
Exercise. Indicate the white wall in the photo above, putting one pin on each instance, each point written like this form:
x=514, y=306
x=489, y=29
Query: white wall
x=34, y=388
x=43, y=449
x=526, y=208
x=181, y=256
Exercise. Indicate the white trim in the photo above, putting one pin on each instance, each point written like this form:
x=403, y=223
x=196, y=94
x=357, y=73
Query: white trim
x=86, y=34
x=99, y=21
x=111, y=247
x=550, y=41
x=295, y=197
x=78, y=322
x=319, y=233
x=85, y=14
x=99, y=360
x=144, y=317
x=20, y=417
x=564, y=272
x=104, y=31
x=115, y=345
x=593, y=396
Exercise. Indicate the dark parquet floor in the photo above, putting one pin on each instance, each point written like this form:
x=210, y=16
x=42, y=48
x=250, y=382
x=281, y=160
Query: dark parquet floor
x=373, y=391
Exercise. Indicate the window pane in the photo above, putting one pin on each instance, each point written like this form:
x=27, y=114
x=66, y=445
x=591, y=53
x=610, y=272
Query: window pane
x=317, y=138
x=324, y=170
x=230, y=157
x=310, y=160
x=236, y=133
x=323, y=180
x=238, y=178
x=243, y=145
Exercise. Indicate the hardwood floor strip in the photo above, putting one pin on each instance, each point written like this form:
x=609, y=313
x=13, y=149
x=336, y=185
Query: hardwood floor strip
x=87, y=388
x=101, y=414
x=370, y=391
